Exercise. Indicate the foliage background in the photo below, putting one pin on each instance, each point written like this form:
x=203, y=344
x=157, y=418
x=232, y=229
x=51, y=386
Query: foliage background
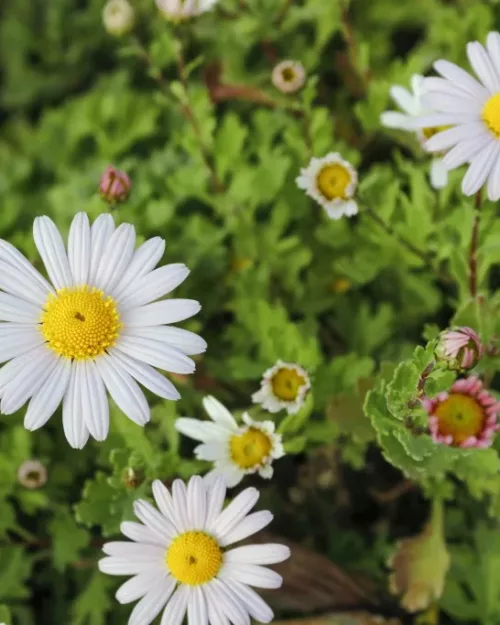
x=213, y=151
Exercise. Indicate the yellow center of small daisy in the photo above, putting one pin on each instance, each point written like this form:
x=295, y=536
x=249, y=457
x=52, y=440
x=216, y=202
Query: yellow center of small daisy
x=251, y=448
x=80, y=323
x=491, y=114
x=333, y=181
x=194, y=558
x=460, y=416
x=286, y=384
x=288, y=74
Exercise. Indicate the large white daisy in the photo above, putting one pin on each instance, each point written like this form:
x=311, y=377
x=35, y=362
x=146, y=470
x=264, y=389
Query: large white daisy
x=96, y=328
x=471, y=109
x=180, y=557
x=236, y=450
x=184, y=9
x=411, y=103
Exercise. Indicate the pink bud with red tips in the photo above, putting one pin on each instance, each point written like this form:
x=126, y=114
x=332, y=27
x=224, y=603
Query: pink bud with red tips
x=459, y=348
x=115, y=185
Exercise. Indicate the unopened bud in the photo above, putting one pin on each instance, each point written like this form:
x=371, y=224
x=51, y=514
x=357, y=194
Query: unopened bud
x=459, y=348
x=115, y=185
x=118, y=17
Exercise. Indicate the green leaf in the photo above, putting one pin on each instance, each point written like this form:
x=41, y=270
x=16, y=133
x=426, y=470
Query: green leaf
x=68, y=539
x=94, y=603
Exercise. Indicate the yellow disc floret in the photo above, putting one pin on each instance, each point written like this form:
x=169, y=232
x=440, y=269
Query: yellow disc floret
x=460, y=416
x=286, y=384
x=194, y=558
x=491, y=114
x=333, y=181
x=80, y=323
x=251, y=448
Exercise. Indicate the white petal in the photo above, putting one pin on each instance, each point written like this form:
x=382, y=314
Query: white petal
x=123, y=389
x=50, y=245
x=444, y=103
x=156, y=354
x=441, y=86
x=236, y=511
x=256, y=554
x=135, y=551
x=479, y=168
x=481, y=63
x=251, y=574
x=74, y=426
x=138, y=586
x=393, y=119
x=79, y=248
x=405, y=100
x=116, y=257
x=121, y=566
x=156, y=522
x=213, y=450
x=250, y=525
x=200, y=430
x=232, y=474
x=256, y=606
x=165, y=502
x=229, y=602
x=153, y=285
x=219, y=413
x=439, y=174
x=141, y=534
x=187, y=342
x=16, y=282
x=146, y=375
x=493, y=47
x=179, y=495
x=196, y=503
x=216, y=615
x=176, y=607
x=266, y=471
x=447, y=138
x=215, y=500
x=144, y=260
x=494, y=182
x=100, y=232
x=46, y=400
x=16, y=339
x=13, y=257
x=197, y=607
x=159, y=313
x=464, y=151
x=152, y=604
x=18, y=365
x=13, y=308
x=94, y=400
x=461, y=78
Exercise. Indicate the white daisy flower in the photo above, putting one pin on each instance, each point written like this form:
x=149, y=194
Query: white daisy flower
x=184, y=9
x=180, y=559
x=283, y=386
x=236, y=450
x=332, y=182
x=471, y=110
x=412, y=105
x=96, y=328
x=289, y=76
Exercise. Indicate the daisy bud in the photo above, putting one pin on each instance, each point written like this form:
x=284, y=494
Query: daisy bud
x=32, y=474
x=179, y=10
x=459, y=348
x=289, y=76
x=118, y=17
x=114, y=186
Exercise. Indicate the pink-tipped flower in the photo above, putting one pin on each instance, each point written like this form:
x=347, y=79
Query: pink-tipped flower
x=115, y=185
x=464, y=416
x=459, y=348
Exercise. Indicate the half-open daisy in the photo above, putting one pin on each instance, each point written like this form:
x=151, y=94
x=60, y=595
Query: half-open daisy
x=96, y=328
x=289, y=76
x=177, y=10
x=180, y=561
x=411, y=103
x=471, y=109
x=466, y=416
x=236, y=450
x=283, y=386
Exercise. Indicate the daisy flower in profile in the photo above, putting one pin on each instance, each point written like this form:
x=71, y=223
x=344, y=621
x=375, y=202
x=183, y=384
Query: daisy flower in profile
x=466, y=416
x=283, y=386
x=410, y=102
x=178, y=10
x=180, y=561
x=96, y=327
x=470, y=109
x=332, y=182
x=289, y=76
x=459, y=348
x=236, y=450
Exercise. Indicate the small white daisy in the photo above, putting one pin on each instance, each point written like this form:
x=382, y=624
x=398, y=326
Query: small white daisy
x=332, y=182
x=289, y=76
x=283, y=386
x=471, y=110
x=180, y=562
x=236, y=450
x=177, y=10
x=412, y=105
x=96, y=328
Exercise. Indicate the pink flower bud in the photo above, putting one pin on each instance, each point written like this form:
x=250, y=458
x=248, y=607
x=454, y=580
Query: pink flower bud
x=115, y=185
x=459, y=348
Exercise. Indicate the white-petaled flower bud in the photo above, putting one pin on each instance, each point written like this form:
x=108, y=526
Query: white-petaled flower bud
x=118, y=17
x=289, y=76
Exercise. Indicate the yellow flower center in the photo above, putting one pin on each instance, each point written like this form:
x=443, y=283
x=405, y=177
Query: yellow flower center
x=333, y=181
x=80, y=323
x=251, y=448
x=286, y=384
x=491, y=114
x=194, y=558
x=340, y=285
x=288, y=74
x=460, y=416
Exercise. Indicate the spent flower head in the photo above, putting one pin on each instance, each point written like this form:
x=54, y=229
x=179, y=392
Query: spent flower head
x=32, y=474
